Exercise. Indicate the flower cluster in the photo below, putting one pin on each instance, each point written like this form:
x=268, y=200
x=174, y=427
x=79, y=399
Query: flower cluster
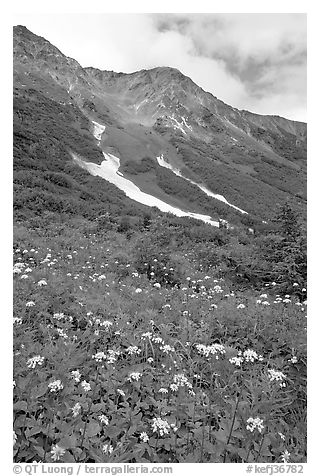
x=208, y=350
x=160, y=426
x=255, y=424
x=277, y=376
x=134, y=376
x=33, y=361
x=55, y=386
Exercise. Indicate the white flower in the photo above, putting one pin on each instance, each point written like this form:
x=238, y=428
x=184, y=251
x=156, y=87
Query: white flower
x=121, y=392
x=107, y=449
x=30, y=304
x=17, y=320
x=133, y=349
x=174, y=387
x=55, y=386
x=112, y=357
x=138, y=291
x=58, y=315
x=293, y=359
x=255, y=423
x=250, y=355
x=295, y=284
x=33, y=361
x=236, y=360
x=181, y=381
x=86, y=386
x=160, y=426
x=163, y=390
x=264, y=296
x=258, y=301
x=157, y=285
x=213, y=349
x=166, y=349
x=265, y=303
x=99, y=356
x=42, y=282
x=146, y=335
x=144, y=437
x=277, y=375
x=285, y=457
x=281, y=436
x=103, y=419
x=76, y=409
x=57, y=452
x=150, y=360
x=76, y=375
x=24, y=276
x=134, y=376
x=241, y=306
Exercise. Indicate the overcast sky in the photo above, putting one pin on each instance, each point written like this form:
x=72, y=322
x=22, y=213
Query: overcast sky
x=251, y=61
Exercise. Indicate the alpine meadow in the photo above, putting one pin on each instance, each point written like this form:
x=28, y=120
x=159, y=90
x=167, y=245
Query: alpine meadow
x=159, y=269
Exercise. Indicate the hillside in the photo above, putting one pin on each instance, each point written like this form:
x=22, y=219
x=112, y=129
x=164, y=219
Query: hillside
x=253, y=162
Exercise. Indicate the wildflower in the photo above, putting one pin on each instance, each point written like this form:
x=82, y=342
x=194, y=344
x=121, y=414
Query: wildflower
x=295, y=284
x=265, y=303
x=281, y=436
x=86, y=386
x=293, y=359
x=181, y=381
x=163, y=390
x=134, y=376
x=213, y=349
x=157, y=285
x=58, y=315
x=103, y=419
x=133, y=349
x=150, y=360
x=250, y=355
x=258, y=301
x=157, y=340
x=144, y=437
x=99, y=356
x=76, y=409
x=174, y=428
x=55, y=386
x=112, y=357
x=285, y=456
x=236, y=360
x=255, y=423
x=14, y=437
x=166, y=349
x=174, y=387
x=107, y=449
x=76, y=375
x=42, y=282
x=138, y=290
x=146, y=335
x=106, y=324
x=33, y=361
x=286, y=300
x=121, y=392
x=30, y=304
x=160, y=426
x=57, y=452
x=17, y=320
x=24, y=276
x=62, y=333
x=241, y=306
x=277, y=375
x=264, y=296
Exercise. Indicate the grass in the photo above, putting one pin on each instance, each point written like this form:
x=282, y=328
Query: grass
x=164, y=372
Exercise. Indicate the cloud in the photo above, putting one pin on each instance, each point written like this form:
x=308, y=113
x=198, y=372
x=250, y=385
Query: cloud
x=251, y=61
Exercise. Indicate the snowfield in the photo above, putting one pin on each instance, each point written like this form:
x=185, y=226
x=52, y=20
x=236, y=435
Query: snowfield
x=98, y=130
x=204, y=189
x=108, y=170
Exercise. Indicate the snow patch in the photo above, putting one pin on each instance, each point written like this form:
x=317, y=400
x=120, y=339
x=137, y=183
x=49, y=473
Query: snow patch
x=98, y=130
x=204, y=189
x=108, y=170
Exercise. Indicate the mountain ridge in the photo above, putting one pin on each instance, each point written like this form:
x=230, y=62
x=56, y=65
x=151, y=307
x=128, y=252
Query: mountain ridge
x=237, y=154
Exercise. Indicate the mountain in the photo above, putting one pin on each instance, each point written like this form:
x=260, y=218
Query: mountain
x=159, y=137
